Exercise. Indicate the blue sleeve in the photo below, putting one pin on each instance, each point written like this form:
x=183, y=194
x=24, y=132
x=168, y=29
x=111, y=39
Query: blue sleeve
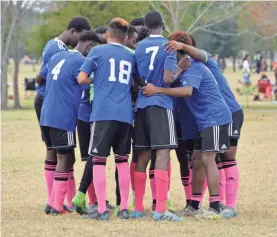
x=170, y=62
x=90, y=63
x=44, y=71
x=192, y=77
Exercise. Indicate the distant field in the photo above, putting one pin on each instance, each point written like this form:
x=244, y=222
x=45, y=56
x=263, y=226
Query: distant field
x=24, y=192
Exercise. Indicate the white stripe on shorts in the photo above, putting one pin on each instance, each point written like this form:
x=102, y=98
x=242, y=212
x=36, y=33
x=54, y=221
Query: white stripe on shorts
x=216, y=137
x=92, y=128
x=172, y=138
x=70, y=139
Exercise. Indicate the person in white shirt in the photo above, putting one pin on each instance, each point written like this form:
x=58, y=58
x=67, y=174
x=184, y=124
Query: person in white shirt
x=246, y=71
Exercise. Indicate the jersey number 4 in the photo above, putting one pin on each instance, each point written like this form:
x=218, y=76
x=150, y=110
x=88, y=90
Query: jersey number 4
x=56, y=70
x=154, y=50
x=125, y=69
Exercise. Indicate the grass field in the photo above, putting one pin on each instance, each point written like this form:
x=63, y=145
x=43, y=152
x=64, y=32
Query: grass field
x=24, y=191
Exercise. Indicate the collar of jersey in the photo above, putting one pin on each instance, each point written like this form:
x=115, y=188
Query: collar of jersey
x=73, y=51
x=155, y=36
x=56, y=39
x=117, y=44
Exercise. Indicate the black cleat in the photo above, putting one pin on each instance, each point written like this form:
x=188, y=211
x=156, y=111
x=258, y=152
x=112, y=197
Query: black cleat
x=123, y=214
x=47, y=209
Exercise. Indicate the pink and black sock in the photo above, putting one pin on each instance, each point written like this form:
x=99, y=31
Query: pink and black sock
x=215, y=202
x=222, y=182
x=99, y=180
x=195, y=200
x=123, y=180
x=152, y=180
x=49, y=173
x=232, y=182
x=60, y=184
x=71, y=189
x=91, y=194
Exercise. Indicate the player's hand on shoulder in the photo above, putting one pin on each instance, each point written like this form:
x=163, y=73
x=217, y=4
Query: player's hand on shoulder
x=172, y=46
x=150, y=89
x=184, y=63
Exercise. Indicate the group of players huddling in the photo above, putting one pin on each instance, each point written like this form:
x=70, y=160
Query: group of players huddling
x=128, y=86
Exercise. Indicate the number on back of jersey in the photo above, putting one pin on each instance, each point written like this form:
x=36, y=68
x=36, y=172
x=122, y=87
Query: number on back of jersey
x=56, y=70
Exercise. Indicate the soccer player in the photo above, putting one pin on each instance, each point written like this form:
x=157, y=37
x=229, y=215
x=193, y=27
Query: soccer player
x=59, y=114
x=213, y=118
x=68, y=37
x=138, y=23
x=228, y=169
x=154, y=127
x=101, y=31
x=132, y=38
x=111, y=118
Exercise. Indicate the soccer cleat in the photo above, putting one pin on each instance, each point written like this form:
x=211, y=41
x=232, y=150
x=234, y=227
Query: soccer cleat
x=92, y=208
x=169, y=206
x=47, y=209
x=137, y=214
x=228, y=212
x=54, y=212
x=98, y=216
x=72, y=209
x=110, y=206
x=209, y=214
x=116, y=211
x=123, y=214
x=189, y=211
x=166, y=216
x=79, y=202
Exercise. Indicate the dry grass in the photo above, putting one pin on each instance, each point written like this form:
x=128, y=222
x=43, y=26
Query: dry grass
x=24, y=192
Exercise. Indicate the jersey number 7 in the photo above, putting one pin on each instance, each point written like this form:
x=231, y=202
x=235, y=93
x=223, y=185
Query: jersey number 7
x=125, y=69
x=56, y=70
x=154, y=50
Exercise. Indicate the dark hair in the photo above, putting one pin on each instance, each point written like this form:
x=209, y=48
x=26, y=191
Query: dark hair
x=153, y=20
x=79, y=23
x=131, y=31
x=101, y=30
x=245, y=57
x=181, y=36
x=89, y=35
x=119, y=28
x=193, y=41
x=143, y=33
x=137, y=22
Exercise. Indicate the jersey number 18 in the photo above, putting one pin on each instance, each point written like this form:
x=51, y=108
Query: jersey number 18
x=125, y=69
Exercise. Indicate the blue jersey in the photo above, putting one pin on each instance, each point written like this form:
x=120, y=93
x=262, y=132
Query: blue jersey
x=63, y=93
x=84, y=110
x=187, y=121
x=222, y=84
x=113, y=66
x=152, y=60
x=206, y=102
x=52, y=47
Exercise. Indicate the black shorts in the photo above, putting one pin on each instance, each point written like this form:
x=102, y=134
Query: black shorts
x=58, y=139
x=235, y=126
x=38, y=106
x=214, y=139
x=83, y=129
x=178, y=130
x=110, y=134
x=155, y=129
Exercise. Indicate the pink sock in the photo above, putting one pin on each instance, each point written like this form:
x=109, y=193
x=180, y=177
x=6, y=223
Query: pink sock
x=123, y=180
x=161, y=178
x=60, y=184
x=71, y=188
x=91, y=194
x=49, y=173
x=222, y=183
x=139, y=181
x=232, y=183
x=100, y=183
x=205, y=186
x=132, y=171
x=169, y=179
x=153, y=187
x=52, y=197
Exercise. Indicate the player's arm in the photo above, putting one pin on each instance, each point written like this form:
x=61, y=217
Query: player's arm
x=41, y=77
x=87, y=68
x=193, y=52
x=83, y=78
x=185, y=91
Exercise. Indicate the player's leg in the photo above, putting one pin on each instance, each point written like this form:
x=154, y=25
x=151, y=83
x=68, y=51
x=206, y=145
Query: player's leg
x=102, y=136
x=230, y=164
x=71, y=189
x=142, y=145
x=49, y=167
x=64, y=142
x=222, y=179
x=163, y=138
x=117, y=193
x=152, y=180
x=79, y=201
x=122, y=148
x=132, y=171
